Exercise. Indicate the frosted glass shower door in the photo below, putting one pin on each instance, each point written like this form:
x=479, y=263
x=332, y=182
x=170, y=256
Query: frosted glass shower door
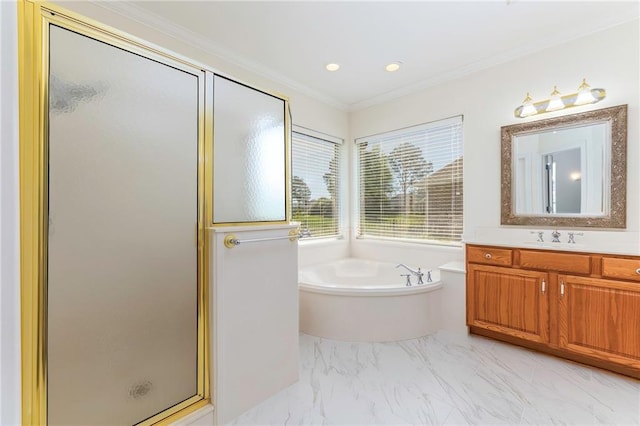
x=122, y=285
x=249, y=154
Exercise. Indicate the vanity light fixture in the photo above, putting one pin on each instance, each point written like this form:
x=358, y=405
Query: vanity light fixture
x=332, y=67
x=585, y=95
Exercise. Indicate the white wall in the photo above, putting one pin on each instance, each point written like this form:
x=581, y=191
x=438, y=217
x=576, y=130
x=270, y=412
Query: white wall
x=9, y=263
x=254, y=309
x=608, y=59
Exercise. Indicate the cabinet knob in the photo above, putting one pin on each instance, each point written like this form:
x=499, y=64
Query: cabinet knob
x=488, y=256
x=638, y=271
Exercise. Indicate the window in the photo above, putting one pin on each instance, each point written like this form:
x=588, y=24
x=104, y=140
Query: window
x=410, y=182
x=315, y=193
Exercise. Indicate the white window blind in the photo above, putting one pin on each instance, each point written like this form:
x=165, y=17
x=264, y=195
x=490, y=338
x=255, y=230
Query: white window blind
x=314, y=184
x=410, y=182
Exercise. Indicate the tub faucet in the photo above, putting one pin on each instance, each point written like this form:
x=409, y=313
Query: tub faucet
x=408, y=282
x=420, y=274
x=413, y=271
x=417, y=273
x=305, y=233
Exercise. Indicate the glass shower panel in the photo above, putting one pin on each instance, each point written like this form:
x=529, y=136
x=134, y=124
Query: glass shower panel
x=249, y=150
x=122, y=255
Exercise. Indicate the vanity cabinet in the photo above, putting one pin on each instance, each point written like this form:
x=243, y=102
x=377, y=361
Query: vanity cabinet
x=581, y=306
x=600, y=318
x=509, y=301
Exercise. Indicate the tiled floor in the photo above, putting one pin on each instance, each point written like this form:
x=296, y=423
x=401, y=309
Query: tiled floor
x=444, y=378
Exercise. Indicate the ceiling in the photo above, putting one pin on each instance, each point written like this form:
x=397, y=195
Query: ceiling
x=291, y=42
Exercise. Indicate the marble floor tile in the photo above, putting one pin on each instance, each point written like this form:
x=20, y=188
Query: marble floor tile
x=444, y=379
x=616, y=398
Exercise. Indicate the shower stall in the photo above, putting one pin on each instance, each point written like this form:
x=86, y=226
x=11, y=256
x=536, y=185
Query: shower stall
x=114, y=262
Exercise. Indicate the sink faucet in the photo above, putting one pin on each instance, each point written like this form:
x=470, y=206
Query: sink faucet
x=540, y=236
x=572, y=236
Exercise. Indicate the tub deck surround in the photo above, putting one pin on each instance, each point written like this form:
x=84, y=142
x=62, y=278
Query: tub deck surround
x=366, y=301
x=359, y=277
x=412, y=253
x=255, y=316
x=453, y=309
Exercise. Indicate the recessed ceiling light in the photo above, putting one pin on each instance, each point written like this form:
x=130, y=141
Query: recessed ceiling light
x=332, y=67
x=393, y=66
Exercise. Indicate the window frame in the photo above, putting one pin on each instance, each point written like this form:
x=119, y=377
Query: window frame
x=339, y=146
x=357, y=202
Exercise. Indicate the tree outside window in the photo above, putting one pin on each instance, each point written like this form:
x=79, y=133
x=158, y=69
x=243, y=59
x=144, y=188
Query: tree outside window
x=410, y=183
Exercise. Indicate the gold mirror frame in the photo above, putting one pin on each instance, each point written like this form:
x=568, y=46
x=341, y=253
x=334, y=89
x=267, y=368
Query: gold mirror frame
x=616, y=217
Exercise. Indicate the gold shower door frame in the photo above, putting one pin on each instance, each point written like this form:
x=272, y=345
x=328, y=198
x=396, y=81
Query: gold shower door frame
x=34, y=19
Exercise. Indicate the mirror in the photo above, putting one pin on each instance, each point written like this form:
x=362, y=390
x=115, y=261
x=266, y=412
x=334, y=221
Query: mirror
x=566, y=171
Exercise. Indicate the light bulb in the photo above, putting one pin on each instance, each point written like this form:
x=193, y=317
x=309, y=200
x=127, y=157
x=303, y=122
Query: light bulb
x=584, y=94
x=555, y=102
x=527, y=107
x=394, y=66
x=332, y=67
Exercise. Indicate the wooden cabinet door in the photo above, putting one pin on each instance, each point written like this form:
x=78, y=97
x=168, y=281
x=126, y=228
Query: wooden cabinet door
x=509, y=301
x=600, y=318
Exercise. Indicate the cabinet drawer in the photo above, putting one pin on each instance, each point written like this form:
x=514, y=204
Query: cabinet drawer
x=560, y=262
x=489, y=256
x=627, y=269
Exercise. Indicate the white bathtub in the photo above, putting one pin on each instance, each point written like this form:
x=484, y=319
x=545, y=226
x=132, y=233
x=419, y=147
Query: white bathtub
x=366, y=301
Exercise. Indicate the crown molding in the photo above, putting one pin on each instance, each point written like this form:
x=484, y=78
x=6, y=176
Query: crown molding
x=142, y=16
x=460, y=72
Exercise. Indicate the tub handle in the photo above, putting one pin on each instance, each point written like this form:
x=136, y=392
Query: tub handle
x=408, y=282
